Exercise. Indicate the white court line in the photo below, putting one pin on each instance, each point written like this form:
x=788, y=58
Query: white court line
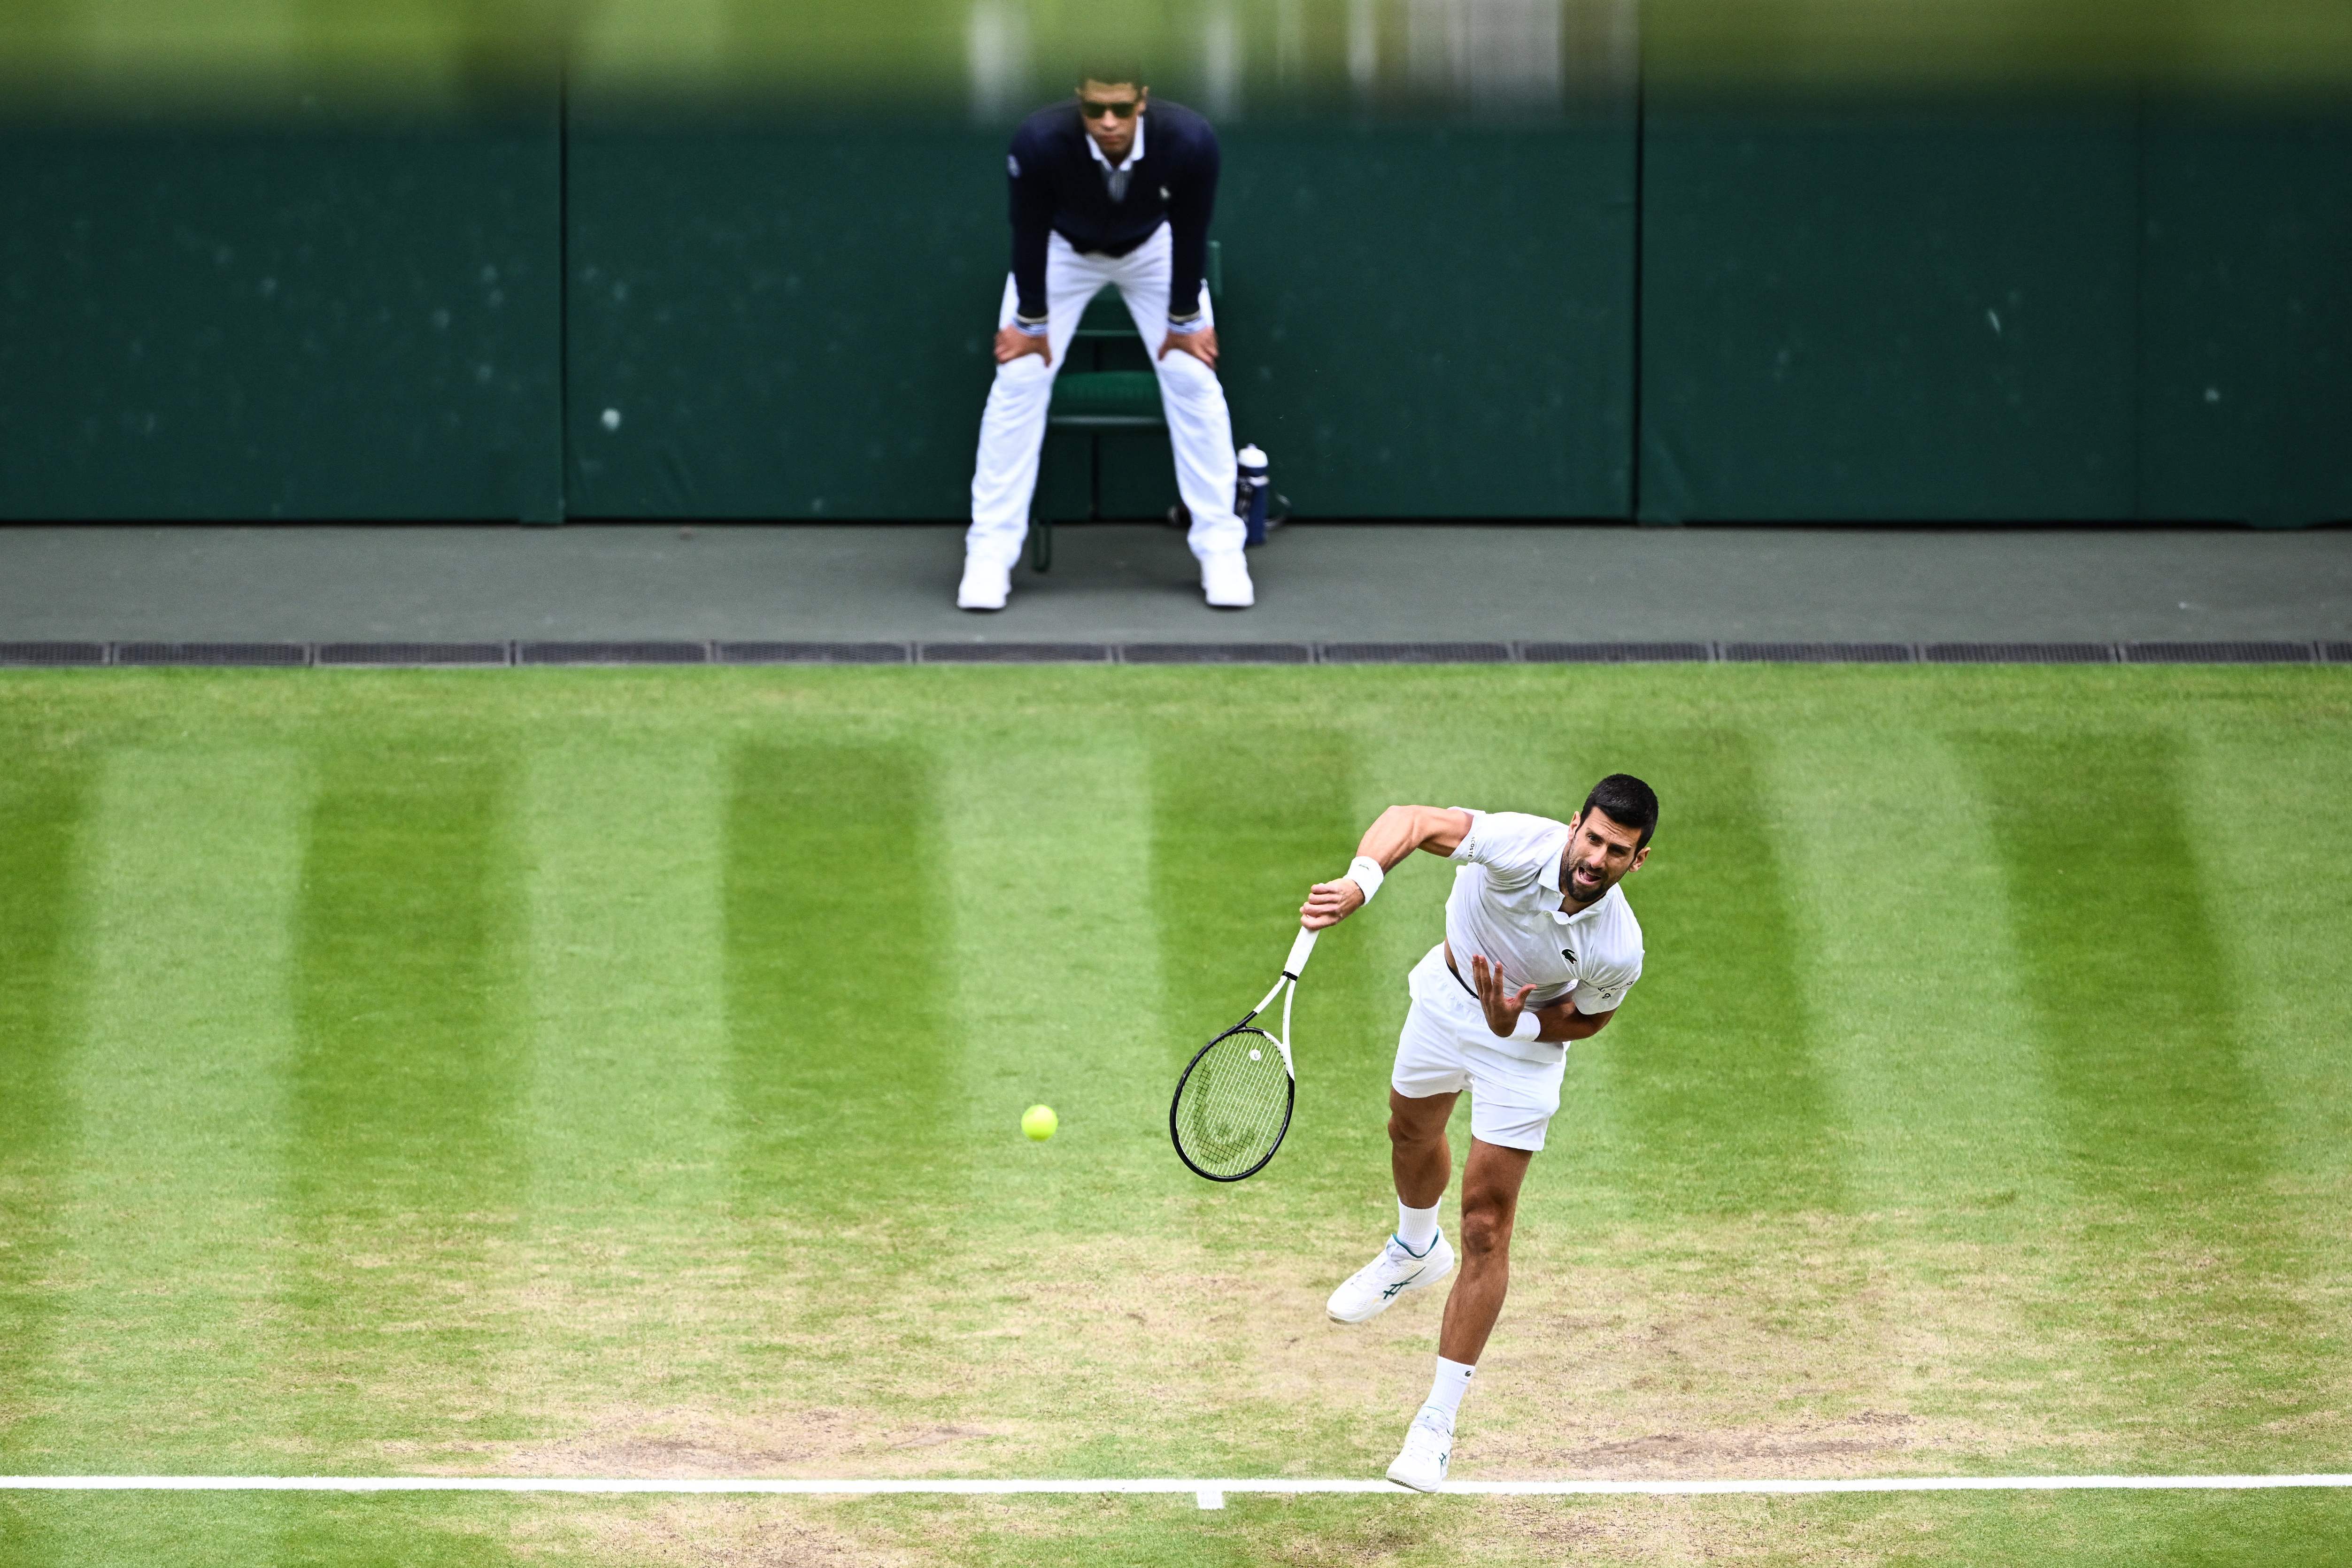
x=1207, y=1493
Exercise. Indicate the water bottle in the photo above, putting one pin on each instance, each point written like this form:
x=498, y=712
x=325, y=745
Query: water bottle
x=1249, y=492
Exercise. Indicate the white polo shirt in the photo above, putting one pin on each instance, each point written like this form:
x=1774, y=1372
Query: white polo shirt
x=1505, y=907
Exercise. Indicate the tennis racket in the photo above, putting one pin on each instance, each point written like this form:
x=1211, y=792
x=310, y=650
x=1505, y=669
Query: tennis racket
x=1233, y=1104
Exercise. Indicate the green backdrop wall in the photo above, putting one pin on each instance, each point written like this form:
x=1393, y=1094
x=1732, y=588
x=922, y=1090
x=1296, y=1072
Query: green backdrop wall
x=310, y=321
x=2245, y=368
x=1995, y=314
x=774, y=321
x=1860, y=316
x=1735, y=312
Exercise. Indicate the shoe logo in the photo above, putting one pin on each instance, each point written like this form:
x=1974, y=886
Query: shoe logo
x=1390, y=1292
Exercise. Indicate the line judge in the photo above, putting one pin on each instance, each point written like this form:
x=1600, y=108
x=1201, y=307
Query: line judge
x=1109, y=189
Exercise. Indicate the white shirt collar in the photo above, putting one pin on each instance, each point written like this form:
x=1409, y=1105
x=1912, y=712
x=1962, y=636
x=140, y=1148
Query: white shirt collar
x=1570, y=917
x=1133, y=152
x=1548, y=879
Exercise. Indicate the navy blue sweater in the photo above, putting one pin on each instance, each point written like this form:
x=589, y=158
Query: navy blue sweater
x=1057, y=186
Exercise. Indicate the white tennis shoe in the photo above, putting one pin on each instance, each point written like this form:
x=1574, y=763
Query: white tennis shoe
x=985, y=585
x=1225, y=580
x=1428, y=1450
x=1395, y=1272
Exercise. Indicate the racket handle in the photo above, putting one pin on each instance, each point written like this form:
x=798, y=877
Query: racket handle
x=1296, y=962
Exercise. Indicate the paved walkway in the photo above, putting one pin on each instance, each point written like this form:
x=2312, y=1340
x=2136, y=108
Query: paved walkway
x=1119, y=583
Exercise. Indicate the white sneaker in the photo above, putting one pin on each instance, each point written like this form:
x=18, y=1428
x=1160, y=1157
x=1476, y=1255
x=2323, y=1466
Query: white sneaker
x=1225, y=578
x=985, y=585
x=1428, y=1450
x=1395, y=1272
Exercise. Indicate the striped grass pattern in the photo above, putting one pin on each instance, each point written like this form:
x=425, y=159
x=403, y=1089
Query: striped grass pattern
x=616, y=1072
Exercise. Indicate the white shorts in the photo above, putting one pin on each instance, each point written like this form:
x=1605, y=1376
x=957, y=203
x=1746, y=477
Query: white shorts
x=1445, y=1047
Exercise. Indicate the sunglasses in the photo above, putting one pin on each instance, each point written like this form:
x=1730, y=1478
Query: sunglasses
x=1124, y=109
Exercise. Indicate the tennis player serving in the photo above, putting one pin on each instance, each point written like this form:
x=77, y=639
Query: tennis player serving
x=1540, y=947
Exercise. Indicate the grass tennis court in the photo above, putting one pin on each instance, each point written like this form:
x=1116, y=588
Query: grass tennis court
x=605, y=1072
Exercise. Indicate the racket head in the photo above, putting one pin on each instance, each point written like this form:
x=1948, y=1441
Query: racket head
x=1232, y=1105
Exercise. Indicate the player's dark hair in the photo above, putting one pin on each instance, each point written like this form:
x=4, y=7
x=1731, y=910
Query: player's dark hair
x=1111, y=70
x=1627, y=803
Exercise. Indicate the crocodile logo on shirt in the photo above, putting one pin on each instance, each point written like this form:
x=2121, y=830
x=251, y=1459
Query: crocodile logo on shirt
x=1569, y=954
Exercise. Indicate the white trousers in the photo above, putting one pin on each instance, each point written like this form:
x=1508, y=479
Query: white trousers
x=1012, y=429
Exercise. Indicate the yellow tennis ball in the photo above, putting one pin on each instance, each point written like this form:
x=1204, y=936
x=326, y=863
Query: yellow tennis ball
x=1039, y=1122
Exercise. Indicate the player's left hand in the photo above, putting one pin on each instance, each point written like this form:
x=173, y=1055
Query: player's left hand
x=1494, y=995
x=1201, y=345
x=1330, y=903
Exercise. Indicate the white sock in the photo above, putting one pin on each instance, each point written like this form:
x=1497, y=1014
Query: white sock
x=1446, y=1389
x=1416, y=1228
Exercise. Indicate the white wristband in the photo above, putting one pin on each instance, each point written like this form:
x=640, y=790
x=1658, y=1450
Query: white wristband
x=1529, y=1027
x=1366, y=874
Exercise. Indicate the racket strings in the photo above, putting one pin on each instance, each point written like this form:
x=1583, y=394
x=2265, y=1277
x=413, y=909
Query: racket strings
x=1234, y=1105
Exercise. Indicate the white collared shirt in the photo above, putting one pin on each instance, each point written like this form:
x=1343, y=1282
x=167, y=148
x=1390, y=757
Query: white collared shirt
x=1505, y=907
x=1134, y=151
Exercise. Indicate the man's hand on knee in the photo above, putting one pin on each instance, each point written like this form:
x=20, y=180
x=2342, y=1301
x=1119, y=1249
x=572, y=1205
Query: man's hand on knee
x=1011, y=342
x=1201, y=345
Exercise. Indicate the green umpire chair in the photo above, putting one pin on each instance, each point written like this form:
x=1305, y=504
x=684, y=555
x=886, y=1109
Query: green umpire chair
x=1092, y=402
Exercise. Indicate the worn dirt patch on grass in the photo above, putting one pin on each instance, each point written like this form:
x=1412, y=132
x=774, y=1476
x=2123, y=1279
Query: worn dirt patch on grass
x=686, y=1442
x=709, y=1532
x=1820, y=1348
x=1797, y=1345
x=734, y=1533
x=1804, y=1344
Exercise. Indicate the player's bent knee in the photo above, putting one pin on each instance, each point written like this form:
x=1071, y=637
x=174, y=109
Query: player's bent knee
x=1410, y=1132
x=1485, y=1230
x=1413, y=1122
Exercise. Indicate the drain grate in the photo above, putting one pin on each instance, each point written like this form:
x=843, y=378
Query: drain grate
x=1615, y=652
x=613, y=653
x=1218, y=654
x=52, y=655
x=1416, y=652
x=1015, y=653
x=1819, y=652
x=2218, y=653
x=271, y=654
x=412, y=655
x=810, y=652
x=65, y=654
x=2020, y=652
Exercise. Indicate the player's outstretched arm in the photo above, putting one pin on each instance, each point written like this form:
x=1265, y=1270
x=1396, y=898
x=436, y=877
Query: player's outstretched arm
x=1394, y=835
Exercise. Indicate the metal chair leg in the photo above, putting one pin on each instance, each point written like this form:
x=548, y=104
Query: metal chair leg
x=1041, y=542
